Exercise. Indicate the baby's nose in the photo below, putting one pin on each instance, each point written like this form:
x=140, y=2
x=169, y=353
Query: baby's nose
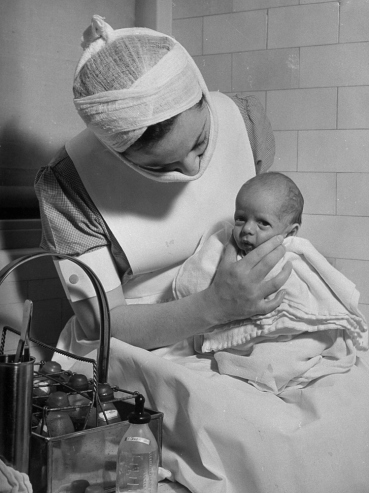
x=248, y=227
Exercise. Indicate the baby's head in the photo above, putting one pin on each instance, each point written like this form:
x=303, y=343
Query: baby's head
x=269, y=204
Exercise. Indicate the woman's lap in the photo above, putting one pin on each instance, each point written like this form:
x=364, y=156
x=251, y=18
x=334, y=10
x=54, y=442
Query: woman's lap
x=223, y=435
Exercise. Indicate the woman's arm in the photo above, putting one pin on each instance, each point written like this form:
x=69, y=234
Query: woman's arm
x=238, y=291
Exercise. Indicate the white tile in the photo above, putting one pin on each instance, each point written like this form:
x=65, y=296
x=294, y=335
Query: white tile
x=265, y=70
x=342, y=237
x=261, y=4
x=333, y=150
x=242, y=31
x=354, y=21
x=188, y=32
x=302, y=109
x=334, y=65
x=353, y=195
x=353, y=107
x=216, y=70
x=286, y=151
x=303, y=25
x=194, y=8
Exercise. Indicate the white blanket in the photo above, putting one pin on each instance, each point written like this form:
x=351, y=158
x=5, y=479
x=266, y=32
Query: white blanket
x=13, y=481
x=222, y=435
x=313, y=332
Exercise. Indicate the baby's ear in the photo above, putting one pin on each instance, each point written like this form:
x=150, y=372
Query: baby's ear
x=293, y=229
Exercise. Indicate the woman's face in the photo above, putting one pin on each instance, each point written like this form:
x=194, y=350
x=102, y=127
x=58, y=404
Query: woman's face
x=257, y=218
x=179, y=150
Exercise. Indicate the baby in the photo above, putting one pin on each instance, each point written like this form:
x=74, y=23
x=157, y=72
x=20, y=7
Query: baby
x=269, y=204
x=318, y=326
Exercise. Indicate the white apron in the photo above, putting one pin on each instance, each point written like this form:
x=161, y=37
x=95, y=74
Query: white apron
x=159, y=224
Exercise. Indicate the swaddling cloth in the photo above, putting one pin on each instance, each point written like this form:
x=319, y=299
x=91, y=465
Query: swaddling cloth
x=13, y=481
x=318, y=297
x=319, y=300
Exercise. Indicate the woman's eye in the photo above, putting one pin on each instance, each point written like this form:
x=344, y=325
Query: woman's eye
x=203, y=143
x=160, y=168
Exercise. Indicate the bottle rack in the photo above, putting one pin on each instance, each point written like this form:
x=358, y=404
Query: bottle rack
x=89, y=454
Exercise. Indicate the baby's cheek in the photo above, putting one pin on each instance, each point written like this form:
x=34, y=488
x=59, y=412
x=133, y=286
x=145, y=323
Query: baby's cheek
x=236, y=234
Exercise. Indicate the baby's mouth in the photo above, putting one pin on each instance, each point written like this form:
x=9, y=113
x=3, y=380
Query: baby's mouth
x=246, y=247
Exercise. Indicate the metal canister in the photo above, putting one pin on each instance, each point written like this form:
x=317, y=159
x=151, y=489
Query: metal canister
x=15, y=410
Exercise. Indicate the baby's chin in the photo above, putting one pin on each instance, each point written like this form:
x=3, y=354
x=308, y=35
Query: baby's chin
x=246, y=249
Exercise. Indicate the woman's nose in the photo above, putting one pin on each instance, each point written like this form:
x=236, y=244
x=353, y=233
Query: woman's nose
x=189, y=165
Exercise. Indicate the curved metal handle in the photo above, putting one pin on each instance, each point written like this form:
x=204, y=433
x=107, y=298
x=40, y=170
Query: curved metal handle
x=103, y=353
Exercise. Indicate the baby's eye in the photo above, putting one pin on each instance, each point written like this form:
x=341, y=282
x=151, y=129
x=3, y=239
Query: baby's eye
x=263, y=224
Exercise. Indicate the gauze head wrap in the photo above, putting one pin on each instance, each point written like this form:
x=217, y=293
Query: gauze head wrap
x=149, y=77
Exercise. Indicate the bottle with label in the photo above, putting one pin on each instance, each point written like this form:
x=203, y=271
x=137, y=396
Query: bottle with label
x=138, y=455
x=107, y=412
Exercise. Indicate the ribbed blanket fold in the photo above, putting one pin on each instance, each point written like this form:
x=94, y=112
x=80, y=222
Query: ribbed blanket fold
x=274, y=351
x=13, y=481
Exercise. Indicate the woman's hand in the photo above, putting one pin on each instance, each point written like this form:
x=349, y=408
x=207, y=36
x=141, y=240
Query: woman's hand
x=238, y=291
x=239, y=287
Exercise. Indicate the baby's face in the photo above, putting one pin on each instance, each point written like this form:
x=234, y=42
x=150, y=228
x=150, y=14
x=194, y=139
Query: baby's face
x=256, y=218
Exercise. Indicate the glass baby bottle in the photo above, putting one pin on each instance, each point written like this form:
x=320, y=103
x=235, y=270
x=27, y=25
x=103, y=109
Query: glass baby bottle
x=138, y=456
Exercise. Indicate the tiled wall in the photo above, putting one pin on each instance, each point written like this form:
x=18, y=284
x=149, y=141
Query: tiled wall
x=307, y=62
x=39, y=51
x=38, y=281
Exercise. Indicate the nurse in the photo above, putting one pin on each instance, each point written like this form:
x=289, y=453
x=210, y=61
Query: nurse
x=159, y=163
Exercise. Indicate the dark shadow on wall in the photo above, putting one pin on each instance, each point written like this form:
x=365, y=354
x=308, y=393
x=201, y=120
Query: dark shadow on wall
x=38, y=281
x=21, y=155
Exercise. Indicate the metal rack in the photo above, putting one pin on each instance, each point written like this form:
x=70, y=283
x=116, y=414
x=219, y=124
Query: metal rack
x=87, y=453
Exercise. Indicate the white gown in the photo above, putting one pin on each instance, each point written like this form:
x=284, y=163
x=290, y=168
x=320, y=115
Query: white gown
x=222, y=435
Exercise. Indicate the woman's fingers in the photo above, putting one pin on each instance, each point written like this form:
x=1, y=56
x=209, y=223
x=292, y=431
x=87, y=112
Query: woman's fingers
x=239, y=287
x=267, y=306
x=272, y=286
x=230, y=252
x=266, y=255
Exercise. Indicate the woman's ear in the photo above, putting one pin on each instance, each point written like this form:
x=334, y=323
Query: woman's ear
x=293, y=230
